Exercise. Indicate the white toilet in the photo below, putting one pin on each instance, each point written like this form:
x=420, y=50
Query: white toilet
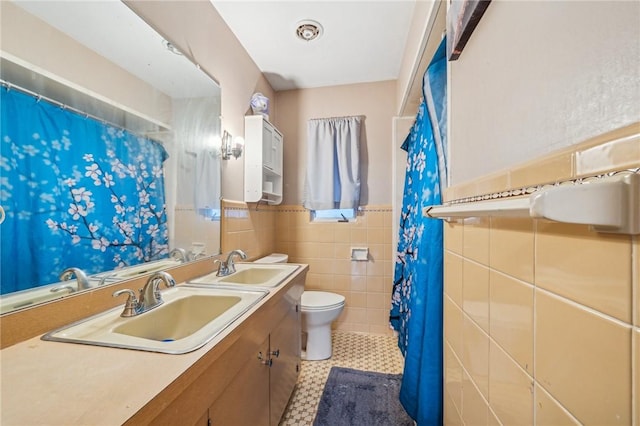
x=319, y=310
x=273, y=258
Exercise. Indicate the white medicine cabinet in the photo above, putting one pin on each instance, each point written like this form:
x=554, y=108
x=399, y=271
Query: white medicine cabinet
x=263, y=161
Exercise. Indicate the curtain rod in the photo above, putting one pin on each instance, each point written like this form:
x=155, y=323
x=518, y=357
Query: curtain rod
x=10, y=86
x=334, y=118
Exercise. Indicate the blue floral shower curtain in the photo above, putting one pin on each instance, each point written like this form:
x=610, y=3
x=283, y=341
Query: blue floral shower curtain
x=416, y=311
x=76, y=192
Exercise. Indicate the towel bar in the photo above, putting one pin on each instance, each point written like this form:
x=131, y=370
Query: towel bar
x=610, y=204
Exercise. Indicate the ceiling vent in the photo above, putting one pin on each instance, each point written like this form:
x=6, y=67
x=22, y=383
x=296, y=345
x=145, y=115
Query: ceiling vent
x=308, y=30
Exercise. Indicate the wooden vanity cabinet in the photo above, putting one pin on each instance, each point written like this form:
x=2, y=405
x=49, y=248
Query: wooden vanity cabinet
x=246, y=400
x=285, y=354
x=260, y=392
x=245, y=379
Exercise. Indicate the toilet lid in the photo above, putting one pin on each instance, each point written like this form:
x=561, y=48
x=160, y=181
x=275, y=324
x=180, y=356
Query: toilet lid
x=317, y=300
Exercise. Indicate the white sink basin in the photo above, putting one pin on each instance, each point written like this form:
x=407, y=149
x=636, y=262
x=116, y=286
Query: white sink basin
x=252, y=274
x=188, y=319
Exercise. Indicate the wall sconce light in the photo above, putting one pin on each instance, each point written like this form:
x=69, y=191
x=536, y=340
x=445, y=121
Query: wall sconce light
x=231, y=146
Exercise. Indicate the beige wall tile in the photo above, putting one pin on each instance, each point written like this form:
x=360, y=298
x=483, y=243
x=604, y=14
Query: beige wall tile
x=315, y=250
x=453, y=377
x=475, y=354
x=376, y=219
x=510, y=389
x=451, y=415
x=511, y=318
x=636, y=396
x=374, y=268
x=376, y=235
x=376, y=301
x=453, y=233
x=550, y=412
x=341, y=282
x=492, y=419
x=553, y=168
x=583, y=360
x=453, y=276
x=379, y=317
x=623, y=153
x=342, y=235
x=590, y=268
x=476, y=240
x=358, y=299
x=475, y=293
x=511, y=247
x=376, y=253
x=358, y=236
x=636, y=277
x=377, y=285
x=474, y=406
x=358, y=283
x=453, y=320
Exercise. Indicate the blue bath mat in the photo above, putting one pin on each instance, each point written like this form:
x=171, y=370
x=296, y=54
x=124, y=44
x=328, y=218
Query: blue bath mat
x=355, y=397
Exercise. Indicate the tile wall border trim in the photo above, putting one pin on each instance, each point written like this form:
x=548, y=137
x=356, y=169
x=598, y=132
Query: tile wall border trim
x=528, y=190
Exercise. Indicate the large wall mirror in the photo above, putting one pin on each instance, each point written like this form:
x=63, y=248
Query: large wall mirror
x=110, y=150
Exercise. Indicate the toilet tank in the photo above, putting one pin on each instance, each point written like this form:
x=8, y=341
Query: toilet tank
x=273, y=258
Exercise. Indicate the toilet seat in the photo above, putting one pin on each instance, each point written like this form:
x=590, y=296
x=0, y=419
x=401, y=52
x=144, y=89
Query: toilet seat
x=320, y=300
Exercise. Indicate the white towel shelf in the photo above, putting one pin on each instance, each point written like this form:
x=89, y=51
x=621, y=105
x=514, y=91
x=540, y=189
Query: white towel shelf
x=610, y=204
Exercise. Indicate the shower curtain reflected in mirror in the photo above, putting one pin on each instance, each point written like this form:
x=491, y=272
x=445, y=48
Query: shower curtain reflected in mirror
x=82, y=192
x=416, y=304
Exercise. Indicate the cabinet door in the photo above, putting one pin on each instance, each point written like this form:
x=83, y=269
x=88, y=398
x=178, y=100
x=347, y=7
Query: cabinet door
x=276, y=152
x=285, y=353
x=267, y=142
x=246, y=400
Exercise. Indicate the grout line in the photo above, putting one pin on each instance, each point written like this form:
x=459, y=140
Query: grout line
x=635, y=335
x=534, y=327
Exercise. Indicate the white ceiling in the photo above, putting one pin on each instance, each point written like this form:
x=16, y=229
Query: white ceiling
x=112, y=30
x=363, y=40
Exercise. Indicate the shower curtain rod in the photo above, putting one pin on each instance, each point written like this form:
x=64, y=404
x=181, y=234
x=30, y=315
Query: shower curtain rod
x=609, y=204
x=10, y=86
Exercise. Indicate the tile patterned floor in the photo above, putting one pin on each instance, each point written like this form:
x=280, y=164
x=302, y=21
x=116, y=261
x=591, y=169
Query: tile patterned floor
x=352, y=350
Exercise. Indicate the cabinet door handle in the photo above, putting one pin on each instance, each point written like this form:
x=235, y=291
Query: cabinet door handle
x=276, y=353
x=268, y=362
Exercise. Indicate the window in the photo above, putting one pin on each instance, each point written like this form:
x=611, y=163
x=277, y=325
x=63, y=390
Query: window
x=332, y=215
x=333, y=164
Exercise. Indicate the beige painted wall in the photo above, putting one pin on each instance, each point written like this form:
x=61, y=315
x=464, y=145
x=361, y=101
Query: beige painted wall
x=56, y=55
x=197, y=27
x=425, y=35
x=539, y=76
x=374, y=101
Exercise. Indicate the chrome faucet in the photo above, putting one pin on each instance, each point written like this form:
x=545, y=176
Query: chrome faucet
x=179, y=254
x=228, y=267
x=150, y=296
x=67, y=274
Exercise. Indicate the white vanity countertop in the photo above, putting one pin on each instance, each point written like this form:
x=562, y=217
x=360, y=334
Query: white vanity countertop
x=57, y=383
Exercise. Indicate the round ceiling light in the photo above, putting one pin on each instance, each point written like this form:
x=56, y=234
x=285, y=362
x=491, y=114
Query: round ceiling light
x=308, y=30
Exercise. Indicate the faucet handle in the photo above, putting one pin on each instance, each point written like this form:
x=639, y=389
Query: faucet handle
x=222, y=268
x=131, y=305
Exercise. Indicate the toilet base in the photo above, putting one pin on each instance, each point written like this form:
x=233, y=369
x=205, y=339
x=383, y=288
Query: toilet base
x=319, y=345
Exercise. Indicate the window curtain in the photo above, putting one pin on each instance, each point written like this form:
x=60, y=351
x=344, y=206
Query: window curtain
x=333, y=164
x=76, y=192
x=416, y=307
